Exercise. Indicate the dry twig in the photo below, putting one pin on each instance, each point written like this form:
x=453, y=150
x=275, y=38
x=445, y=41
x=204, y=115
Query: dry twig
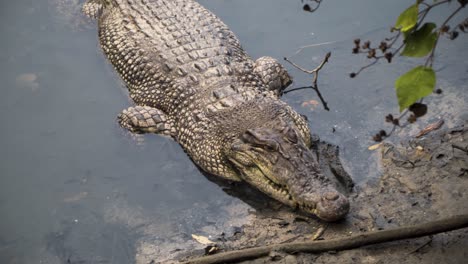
x=429, y=128
x=314, y=82
x=319, y=232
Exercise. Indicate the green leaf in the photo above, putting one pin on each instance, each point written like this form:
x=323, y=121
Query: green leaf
x=420, y=42
x=414, y=85
x=408, y=19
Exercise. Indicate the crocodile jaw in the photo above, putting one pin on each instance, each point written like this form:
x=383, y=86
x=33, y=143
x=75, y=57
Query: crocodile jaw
x=287, y=171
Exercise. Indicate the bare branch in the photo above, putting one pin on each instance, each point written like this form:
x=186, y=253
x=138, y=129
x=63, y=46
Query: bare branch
x=425, y=11
x=315, y=72
x=430, y=59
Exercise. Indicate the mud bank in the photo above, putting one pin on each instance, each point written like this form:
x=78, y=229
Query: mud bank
x=422, y=180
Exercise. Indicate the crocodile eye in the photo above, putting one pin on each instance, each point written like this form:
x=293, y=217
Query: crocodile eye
x=252, y=136
x=291, y=135
x=271, y=146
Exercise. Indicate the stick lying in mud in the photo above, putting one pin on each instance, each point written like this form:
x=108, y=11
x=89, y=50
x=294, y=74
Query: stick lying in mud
x=369, y=238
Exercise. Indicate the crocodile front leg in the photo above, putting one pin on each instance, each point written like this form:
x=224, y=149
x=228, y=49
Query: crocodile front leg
x=145, y=119
x=273, y=74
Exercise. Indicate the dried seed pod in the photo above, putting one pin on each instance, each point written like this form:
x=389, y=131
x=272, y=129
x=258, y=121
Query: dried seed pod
x=445, y=29
x=357, y=42
x=377, y=138
x=371, y=53
x=383, y=46
x=461, y=27
x=389, y=56
x=412, y=118
x=382, y=133
x=366, y=45
x=389, y=118
x=453, y=35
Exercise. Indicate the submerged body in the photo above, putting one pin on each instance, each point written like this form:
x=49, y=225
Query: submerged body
x=191, y=80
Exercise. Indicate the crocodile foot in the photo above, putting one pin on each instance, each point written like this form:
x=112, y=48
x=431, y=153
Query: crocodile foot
x=145, y=119
x=273, y=74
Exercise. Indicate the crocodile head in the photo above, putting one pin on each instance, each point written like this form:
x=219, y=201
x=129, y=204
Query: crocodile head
x=278, y=162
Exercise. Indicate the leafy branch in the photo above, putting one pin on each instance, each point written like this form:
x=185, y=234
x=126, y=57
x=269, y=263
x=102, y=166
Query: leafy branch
x=420, y=39
x=413, y=37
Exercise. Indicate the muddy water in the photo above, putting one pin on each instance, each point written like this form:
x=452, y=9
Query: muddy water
x=74, y=187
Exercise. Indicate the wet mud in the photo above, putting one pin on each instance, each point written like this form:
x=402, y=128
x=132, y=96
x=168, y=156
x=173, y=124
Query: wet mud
x=422, y=180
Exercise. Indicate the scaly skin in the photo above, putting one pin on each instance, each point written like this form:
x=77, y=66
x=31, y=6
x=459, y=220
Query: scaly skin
x=191, y=80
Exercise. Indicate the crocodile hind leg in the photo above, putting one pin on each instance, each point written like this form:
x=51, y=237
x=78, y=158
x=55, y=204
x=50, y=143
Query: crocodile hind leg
x=93, y=8
x=273, y=74
x=145, y=119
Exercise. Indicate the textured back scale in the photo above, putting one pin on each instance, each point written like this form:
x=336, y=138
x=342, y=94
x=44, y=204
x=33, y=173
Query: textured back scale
x=178, y=57
x=157, y=45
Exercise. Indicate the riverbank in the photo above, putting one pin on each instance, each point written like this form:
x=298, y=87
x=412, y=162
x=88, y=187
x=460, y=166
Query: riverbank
x=422, y=180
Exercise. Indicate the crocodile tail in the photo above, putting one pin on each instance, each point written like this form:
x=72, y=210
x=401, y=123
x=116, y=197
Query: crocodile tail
x=93, y=8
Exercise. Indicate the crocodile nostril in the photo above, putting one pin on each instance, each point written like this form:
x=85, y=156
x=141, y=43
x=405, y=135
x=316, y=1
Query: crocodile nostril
x=331, y=196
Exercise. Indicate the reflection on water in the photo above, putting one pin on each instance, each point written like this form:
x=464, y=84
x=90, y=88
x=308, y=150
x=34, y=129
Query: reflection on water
x=74, y=187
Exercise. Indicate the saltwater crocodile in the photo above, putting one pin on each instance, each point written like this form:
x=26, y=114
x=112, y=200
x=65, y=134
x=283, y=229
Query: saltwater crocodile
x=191, y=80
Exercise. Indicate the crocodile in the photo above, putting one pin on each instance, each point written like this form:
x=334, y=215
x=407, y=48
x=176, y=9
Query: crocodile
x=191, y=80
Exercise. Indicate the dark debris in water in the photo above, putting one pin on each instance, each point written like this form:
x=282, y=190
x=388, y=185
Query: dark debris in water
x=312, y=7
